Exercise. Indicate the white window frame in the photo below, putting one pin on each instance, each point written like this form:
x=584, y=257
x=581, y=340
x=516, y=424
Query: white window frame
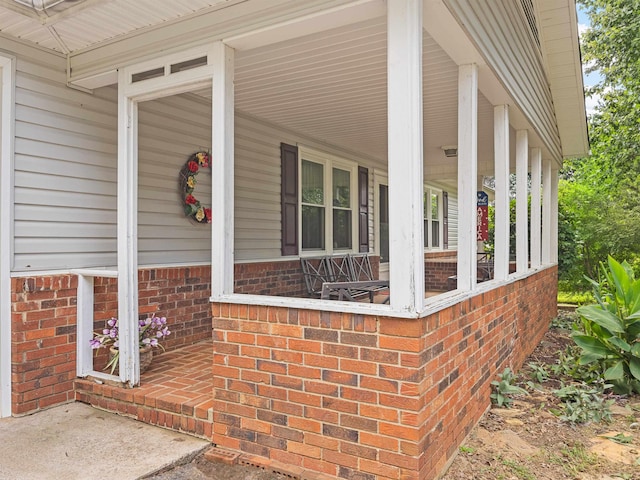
x=430, y=190
x=379, y=178
x=329, y=162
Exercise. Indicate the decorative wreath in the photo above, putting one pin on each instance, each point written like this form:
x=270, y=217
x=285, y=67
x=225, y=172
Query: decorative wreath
x=188, y=173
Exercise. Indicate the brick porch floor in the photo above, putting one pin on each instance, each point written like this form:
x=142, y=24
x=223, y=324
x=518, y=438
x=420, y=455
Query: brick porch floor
x=176, y=392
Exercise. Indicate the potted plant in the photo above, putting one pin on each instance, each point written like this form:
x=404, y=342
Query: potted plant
x=150, y=331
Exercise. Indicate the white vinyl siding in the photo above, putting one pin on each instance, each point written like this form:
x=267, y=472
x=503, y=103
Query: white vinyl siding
x=453, y=221
x=65, y=170
x=170, y=129
x=257, y=196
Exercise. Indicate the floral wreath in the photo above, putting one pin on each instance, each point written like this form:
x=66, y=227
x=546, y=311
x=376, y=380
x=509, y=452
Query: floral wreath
x=188, y=173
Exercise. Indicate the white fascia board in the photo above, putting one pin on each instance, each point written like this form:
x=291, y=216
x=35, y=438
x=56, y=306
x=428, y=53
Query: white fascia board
x=313, y=23
x=228, y=20
x=96, y=81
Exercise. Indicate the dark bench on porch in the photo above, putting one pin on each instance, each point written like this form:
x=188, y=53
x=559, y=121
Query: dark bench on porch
x=484, y=265
x=343, y=277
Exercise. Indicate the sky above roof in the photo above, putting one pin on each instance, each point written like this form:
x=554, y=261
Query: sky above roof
x=591, y=78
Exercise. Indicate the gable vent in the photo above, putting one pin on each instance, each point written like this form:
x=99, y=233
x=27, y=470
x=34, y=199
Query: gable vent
x=530, y=15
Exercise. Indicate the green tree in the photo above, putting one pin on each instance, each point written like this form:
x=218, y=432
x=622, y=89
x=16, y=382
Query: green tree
x=599, y=194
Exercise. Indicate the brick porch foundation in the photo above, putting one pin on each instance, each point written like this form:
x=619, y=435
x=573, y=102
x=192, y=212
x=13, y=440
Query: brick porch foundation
x=368, y=397
x=43, y=326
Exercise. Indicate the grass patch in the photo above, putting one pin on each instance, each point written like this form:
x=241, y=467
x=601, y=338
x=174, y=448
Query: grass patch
x=517, y=469
x=575, y=459
x=575, y=298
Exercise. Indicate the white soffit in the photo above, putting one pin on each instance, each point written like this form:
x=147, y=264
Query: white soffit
x=559, y=34
x=87, y=23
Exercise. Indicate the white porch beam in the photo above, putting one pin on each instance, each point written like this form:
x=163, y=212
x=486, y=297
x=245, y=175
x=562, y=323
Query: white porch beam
x=501, y=171
x=404, y=94
x=546, y=212
x=467, y=175
x=222, y=170
x=127, y=234
x=536, y=213
x=522, y=208
x=554, y=216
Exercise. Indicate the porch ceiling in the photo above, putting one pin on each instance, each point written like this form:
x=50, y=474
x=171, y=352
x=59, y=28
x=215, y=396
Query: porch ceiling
x=329, y=86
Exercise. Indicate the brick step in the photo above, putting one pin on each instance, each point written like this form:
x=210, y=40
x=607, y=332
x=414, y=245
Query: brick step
x=175, y=393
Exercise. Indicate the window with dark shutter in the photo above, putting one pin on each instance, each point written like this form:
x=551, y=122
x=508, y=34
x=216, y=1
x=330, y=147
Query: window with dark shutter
x=289, y=198
x=363, y=209
x=445, y=220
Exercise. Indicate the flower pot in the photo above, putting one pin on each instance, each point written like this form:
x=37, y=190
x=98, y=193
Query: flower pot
x=146, y=356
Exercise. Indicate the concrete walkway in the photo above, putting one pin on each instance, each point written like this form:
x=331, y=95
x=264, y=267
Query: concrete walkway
x=76, y=441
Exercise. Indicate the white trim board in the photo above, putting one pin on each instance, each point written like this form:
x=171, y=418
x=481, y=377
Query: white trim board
x=7, y=112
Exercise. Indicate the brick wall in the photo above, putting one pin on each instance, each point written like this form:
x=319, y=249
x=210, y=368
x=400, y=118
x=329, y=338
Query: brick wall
x=368, y=397
x=43, y=351
x=282, y=278
x=270, y=278
x=437, y=272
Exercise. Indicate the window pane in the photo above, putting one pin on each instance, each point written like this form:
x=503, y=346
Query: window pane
x=341, y=228
x=312, y=228
x=434, y=206
x=435, y=233
x=341, y=188
x=384, y=224
x=312, y=183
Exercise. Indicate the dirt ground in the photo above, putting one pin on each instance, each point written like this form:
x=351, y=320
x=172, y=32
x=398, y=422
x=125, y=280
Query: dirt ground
x=528, y=442
x=524, y=442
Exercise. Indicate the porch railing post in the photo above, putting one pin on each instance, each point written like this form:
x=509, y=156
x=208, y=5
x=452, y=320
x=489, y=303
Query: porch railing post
x=522, y=207
x=405, y=154
x=222, y=170
x=554, y=215
x=536, y=220
x=546, y=212
x=84, y=325
x=501, y=147
x=127, y=234
x=467, y=175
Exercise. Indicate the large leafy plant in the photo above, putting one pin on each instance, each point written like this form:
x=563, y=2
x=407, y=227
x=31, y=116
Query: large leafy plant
x=611, y=328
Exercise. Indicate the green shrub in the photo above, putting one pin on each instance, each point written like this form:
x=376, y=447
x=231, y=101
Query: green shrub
x=583, y=404
x=610, y=334
x=504, y=388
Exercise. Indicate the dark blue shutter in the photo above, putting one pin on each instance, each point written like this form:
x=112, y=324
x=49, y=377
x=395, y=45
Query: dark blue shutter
x=289, y=198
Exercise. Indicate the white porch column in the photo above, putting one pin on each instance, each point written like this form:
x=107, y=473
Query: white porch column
x=222, y=170
x=7, y=109
x=405, y=157
x=501, y=171
x=546, y=213
x=522, y=208
x=536, y=214
x=467, y=175
x=554, y=216
x=127, y=233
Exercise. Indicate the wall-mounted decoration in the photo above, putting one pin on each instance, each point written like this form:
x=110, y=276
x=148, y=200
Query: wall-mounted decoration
x=193, y=208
